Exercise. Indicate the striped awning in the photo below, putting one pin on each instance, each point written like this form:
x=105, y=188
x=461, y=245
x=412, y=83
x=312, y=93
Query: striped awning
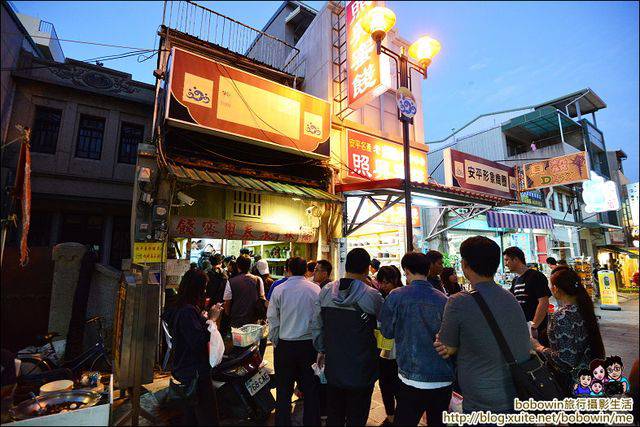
x=226, y=180
x=519, y=220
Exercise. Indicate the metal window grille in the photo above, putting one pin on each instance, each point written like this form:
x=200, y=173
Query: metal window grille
x=130, y=136
x=90, y=136
x=247, y=204
x=46, y=125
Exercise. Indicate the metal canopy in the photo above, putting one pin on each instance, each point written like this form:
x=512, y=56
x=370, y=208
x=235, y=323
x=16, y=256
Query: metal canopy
x=384, y=194
x=229, y=181
x=541, y=122
x=588, y=100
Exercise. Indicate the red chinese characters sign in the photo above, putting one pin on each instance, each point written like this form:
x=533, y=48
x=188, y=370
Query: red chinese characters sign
x=375, y=159
x=212, y=97
x=369, y=74
x=240, y=230
x=475, y=173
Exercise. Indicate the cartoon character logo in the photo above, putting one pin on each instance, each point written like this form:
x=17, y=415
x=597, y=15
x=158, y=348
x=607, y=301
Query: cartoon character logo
x=598, y=370
x=619, y=383
x=597, y=389
x=582, y=388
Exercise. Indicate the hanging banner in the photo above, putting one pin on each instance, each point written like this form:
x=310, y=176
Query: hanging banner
x=232, y=229
x=368, y=74
x=561, y=170
x=475, y=173
x=608, y=291
x=212, y=97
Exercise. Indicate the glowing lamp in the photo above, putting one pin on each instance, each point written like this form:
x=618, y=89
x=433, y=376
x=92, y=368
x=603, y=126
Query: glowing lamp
x=377, y=22
x=424, y=49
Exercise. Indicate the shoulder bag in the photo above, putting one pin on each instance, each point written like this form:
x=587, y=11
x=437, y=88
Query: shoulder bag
x=261, y=304
x=532, y=378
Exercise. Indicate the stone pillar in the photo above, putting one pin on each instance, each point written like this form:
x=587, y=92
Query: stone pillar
x=102, y=302
x=66, y=258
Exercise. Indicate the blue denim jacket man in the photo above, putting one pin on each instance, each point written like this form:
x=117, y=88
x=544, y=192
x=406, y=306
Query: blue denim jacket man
x=412, y=316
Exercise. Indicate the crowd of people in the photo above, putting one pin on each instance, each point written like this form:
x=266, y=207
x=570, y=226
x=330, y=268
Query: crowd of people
x=441, y=340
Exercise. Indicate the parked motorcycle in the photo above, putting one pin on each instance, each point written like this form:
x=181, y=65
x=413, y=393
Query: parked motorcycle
x=243, y=385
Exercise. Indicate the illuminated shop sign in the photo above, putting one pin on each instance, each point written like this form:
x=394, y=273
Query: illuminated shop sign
x=369, y=74
x=475, y=173
x=600, y=195
x=375, y=159
x=209, y=96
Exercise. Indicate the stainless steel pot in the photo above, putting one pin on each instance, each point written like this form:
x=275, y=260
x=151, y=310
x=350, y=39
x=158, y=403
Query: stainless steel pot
x=31, y=408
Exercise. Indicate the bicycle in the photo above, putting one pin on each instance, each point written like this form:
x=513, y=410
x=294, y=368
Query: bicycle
x=37, y=365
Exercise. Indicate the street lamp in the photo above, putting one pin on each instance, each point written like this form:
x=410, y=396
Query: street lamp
x=377, y=22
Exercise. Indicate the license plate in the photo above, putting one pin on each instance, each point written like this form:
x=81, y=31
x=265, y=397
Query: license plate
x=256, y=382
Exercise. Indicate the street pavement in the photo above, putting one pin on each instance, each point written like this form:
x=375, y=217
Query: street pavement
x=619, y=331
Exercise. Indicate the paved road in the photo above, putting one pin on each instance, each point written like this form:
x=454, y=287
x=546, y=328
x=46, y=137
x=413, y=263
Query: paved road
x=620, y=330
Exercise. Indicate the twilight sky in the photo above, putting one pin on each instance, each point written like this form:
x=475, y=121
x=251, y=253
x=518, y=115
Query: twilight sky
x=495, y=55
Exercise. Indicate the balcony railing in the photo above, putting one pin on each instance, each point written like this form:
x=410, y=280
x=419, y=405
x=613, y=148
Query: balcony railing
x=53, y=43
x=212, y=27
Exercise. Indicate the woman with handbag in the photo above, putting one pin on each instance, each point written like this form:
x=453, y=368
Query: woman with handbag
x=574, y=335
x=197, y=347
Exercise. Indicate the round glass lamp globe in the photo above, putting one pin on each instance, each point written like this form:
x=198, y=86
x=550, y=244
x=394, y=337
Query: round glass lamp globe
x=424, y=49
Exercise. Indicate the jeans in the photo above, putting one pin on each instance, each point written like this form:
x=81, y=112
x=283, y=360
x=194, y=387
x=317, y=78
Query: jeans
x=348, y=406
x=388, y=384
x=413, y=402
x=293, y=360
x=205, y=413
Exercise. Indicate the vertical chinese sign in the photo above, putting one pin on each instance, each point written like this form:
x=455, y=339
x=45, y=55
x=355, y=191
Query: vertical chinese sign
x=369, y=74
x=373, y=158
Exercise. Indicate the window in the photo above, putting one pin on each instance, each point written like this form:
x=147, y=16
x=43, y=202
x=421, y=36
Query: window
x=46, y=125
x=552, y=202
x=130, y=136
x=561, y=202
x=569, y=203
x=247, y=204
x=90, y=135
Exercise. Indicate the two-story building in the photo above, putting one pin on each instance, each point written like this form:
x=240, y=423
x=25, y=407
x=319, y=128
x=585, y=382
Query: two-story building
x=86, y=122
x=562, y=126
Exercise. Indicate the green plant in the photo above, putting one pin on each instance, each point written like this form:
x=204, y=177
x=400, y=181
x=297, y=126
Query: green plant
x=449, y=260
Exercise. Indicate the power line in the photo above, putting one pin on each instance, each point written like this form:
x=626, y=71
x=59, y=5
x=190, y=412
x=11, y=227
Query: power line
x=286, y=136
x=78, y=41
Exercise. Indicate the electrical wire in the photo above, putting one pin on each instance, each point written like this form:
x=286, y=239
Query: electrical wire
x=255, y=115
x=201, y=146
x=277, y=130
x=76, y=41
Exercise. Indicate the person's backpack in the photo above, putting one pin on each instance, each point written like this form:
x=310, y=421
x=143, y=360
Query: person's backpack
x=532, y=378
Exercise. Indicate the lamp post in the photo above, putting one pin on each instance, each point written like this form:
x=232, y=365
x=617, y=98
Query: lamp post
x=377, y=22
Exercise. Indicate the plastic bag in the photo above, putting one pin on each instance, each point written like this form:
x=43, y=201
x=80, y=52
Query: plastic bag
x=216, y=345
x=455, y=405
x=319, y=372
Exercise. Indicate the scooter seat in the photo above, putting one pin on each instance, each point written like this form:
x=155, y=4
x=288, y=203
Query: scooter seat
x=234, y=361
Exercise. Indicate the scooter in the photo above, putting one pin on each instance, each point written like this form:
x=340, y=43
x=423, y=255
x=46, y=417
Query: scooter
x=243, y=385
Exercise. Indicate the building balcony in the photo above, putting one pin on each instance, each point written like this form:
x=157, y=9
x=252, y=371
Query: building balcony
x=229, y=35
x=44, y=35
